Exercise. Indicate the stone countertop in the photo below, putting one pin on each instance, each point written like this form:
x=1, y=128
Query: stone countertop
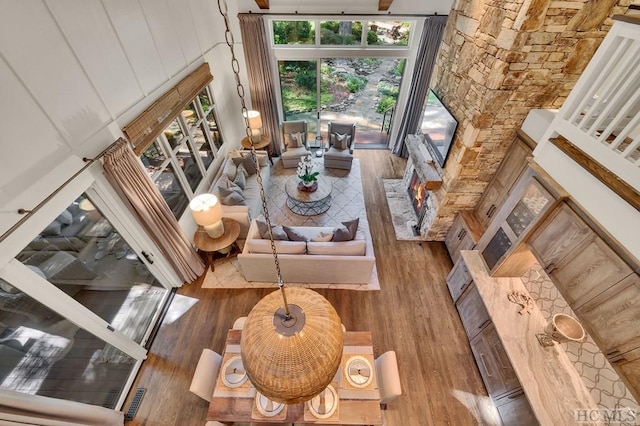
x=552, y=385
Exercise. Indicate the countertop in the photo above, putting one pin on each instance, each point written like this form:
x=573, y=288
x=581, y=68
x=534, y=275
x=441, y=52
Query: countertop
x=552, y=385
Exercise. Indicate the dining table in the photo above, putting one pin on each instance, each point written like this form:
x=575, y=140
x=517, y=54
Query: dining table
x=352, y=398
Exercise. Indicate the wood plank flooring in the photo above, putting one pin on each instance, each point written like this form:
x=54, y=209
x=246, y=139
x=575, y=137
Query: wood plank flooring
x=412, y=314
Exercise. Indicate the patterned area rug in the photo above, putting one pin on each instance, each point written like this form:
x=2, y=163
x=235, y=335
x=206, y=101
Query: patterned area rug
x=347, y=202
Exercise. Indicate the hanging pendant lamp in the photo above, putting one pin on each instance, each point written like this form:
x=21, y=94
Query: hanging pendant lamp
x=292, y=341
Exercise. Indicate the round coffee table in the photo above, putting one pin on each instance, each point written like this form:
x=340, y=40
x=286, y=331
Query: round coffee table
x=308, y=203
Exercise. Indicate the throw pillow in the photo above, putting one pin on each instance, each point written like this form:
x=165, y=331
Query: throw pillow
x=322, y=237
x=229, y=197
x=341, y=233
x=295, y=140
x=226, y=183
x=293, y=234
x=352, y=226
x=342, y=141
x=347, y=231
x=278, y=231
x=65, y=218
x=249, y=165
x=53, y=229
x=241, y=177
x=236, y=156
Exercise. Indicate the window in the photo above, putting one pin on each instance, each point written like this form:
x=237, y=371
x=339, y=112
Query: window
x=341, y=33
x=389, y=33
x=294, y=32
x=179, y=158
x=302, y=33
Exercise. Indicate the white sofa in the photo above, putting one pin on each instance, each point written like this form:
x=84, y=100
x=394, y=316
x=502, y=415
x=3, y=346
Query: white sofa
x=345, y=262
x=253, y=208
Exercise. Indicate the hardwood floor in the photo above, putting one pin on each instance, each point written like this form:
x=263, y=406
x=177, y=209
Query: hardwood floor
x=413, y=314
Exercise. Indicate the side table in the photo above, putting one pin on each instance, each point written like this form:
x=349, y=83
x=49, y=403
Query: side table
x=208, y=245
x=264, y=143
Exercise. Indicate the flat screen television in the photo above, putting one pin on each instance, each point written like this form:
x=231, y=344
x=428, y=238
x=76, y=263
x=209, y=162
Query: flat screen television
x=438, y=127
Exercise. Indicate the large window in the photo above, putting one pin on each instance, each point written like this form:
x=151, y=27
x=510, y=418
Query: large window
x=341, y=69
x=179, y=158
x=341, y=33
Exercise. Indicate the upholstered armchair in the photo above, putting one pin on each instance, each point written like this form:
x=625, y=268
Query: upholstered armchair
x=339, y=151
x=294, y=136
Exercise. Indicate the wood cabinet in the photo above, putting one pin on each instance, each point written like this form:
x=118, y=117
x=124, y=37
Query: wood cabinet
x=524, y=208
x=464, y=234
x=496, y=371
x=581, y=264
x=458, y=280
x=599, y=285
x=628, y=367
x=502, y=182
x=514, y=410
x=613, y=317
x=472, y=311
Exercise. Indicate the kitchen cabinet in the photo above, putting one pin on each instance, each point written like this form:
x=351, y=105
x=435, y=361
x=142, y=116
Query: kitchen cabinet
x=580, y=263
x=524, y=208
x=613, y=316
x=628, y=367
x=515, y=410
x=464, y=234
x=472, y=311
x=458, y=280
x=502, y=182
x=496, y=371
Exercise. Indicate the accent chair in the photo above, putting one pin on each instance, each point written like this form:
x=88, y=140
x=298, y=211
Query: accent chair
x=294, y=136
x=339, y=151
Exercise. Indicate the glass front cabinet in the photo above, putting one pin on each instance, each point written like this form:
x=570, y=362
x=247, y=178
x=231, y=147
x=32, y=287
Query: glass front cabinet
x=527, y=204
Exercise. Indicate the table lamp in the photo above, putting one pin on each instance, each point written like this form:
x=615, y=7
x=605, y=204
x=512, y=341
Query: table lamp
x=207, y=212
x=255, y=124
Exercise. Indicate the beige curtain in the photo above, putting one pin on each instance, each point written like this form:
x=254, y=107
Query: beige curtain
x=17, y=408
x=261, y=86
x=124, y=172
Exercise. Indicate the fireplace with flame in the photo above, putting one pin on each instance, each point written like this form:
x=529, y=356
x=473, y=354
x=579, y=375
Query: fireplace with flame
x=418, y=194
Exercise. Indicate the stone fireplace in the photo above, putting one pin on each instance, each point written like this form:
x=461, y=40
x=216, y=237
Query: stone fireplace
x=420, y=179
x=418, y=194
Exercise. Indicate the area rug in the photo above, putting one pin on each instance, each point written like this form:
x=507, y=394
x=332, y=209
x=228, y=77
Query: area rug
x=401, y=210
x=347, y=202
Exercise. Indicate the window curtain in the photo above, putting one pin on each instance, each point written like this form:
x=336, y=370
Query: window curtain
x=18, y=408
x=125, y=174
x=261, y=86
x=425, y=60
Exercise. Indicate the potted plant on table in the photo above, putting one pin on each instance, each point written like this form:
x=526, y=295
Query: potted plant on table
x=306, y=174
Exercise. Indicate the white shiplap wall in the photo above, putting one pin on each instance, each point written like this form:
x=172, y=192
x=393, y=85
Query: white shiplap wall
x=73, y=72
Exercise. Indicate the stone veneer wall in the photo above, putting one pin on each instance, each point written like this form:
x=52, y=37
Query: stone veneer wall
x=498, y=60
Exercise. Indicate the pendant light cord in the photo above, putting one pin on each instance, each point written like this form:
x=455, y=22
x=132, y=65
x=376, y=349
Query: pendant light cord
x=235, y=66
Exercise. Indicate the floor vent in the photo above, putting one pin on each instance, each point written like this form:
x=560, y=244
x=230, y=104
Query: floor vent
x=135, y=404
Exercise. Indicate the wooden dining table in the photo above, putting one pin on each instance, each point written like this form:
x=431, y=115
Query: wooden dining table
x=356, y=405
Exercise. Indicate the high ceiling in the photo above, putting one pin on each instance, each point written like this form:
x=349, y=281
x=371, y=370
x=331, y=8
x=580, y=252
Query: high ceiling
x=350, y=6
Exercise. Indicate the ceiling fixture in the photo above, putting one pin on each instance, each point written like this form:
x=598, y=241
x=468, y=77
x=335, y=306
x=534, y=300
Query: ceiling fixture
x=291, y=344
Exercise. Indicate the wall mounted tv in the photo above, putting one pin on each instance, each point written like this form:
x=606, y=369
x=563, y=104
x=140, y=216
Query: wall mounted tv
x=438, y=127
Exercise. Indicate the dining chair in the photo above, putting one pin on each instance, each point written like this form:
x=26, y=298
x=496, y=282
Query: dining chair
x=204, y=378
x=239, y=323
x=388, y=377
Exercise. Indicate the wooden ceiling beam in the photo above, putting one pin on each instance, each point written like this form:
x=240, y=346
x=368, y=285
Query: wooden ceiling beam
x=384, y=4
x=264, y=4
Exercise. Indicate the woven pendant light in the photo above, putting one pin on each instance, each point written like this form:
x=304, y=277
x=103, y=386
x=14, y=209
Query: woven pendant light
x=293, y=360
x=290, y=351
